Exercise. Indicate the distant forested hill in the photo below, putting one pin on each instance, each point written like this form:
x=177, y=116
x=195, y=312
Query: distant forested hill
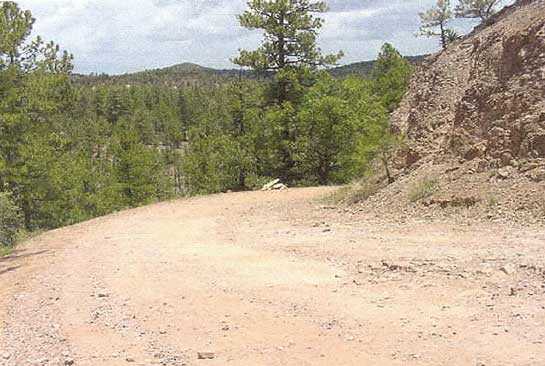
x=189, y=74
x=181, y=75
x=364, y=68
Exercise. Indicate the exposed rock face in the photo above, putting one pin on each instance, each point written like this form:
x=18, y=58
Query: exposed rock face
x=482, y=99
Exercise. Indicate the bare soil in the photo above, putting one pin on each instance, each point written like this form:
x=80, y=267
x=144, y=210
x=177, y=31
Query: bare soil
x=274, y=278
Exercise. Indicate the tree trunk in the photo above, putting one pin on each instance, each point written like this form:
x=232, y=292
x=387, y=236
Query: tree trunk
x=282, y=92
x=387, y=170
x=443, y=35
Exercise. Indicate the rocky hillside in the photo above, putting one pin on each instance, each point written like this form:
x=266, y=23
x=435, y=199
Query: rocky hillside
x=474, y=121
x=482, y=99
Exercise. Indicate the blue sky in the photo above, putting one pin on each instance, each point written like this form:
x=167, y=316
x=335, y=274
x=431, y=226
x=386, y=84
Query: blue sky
x=117, y=36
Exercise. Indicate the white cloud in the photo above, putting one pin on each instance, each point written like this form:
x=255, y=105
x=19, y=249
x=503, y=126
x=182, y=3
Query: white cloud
x=117, y=36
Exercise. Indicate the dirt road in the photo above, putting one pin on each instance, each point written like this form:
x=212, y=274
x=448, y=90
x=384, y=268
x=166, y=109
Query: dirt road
x=273, y=278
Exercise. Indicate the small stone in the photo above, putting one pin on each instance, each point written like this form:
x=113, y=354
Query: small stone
x=130, y=359
x=279, y=187
x=504, y=173
x=6, y=356
x=508, y=269
x=102, y=295
x=206, y=355
x=68, y=362
x=270, y=185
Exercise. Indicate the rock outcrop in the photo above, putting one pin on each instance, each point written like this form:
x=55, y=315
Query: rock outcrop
x=474, y=122
x=482, y=100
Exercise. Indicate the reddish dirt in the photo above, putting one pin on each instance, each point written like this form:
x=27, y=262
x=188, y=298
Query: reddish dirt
x=273, y=278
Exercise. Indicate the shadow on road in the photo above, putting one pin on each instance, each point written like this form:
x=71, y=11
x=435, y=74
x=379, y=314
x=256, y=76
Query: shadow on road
x=7, y=263
x=20, y=254
x=9, y=269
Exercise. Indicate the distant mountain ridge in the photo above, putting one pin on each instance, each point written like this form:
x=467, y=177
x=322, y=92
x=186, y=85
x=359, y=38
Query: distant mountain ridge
x=364, y=68
x=190, y=74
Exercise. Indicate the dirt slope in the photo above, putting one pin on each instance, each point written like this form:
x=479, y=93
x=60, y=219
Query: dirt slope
x=272, y=278
x=483, y=98
x=474, y=122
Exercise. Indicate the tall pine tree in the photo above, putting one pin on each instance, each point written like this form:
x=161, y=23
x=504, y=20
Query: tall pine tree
x=289, y=51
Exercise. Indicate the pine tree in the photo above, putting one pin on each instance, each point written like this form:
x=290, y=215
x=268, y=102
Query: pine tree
x=289, y=51
x=290, y=31
x=10, y=220
x=482, y=9
x=391, y=74
x=435, y=22
x=140, y=172
x=34, y=91
x=16, y=50
x=227, y=141
x=15, y=28
x=339, y=122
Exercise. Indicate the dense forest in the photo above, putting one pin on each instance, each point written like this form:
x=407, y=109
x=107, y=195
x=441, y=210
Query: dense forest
x=71, y=149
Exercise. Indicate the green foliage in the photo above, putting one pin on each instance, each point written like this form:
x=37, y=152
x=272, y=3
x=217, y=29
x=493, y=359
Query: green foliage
x=228, y=141
x=364, y=69
x=5, y=251
x=423, y=189
x=15, y=28
x=327, y=131
x=17, y=51
x=482, y=9
x=138, y=169
x=290, y=33
x=11, y=221
x=356, y=192
x=213, y=164
x=391, y=74
x=451, y=36
x=335, y=119
x=289, y=50
x=187, y=77
x=70, y=152
x=435, y=21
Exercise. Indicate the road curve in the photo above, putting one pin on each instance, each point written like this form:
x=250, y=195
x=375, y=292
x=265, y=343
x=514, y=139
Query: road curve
x=272, y=278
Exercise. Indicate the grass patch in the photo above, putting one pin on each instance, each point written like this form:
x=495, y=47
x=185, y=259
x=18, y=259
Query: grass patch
x=354, y=193
x=20, y=237
x=423, y=189
x=492, y=201
x=5, y=251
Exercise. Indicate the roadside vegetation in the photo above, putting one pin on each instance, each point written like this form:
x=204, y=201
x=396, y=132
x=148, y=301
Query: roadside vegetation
x=72, y=151
x=422, y=189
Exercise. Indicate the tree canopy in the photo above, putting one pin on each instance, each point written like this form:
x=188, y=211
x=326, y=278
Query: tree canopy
x=482, y=9
x=71, y=151
x=290, y=32
x=435, y=22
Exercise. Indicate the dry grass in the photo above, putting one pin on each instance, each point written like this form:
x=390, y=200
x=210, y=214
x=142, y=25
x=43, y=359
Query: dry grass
x=5, y=251
x=355, y=192
x=423, y=189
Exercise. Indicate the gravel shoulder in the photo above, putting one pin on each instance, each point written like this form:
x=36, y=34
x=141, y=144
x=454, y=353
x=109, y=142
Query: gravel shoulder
x=274, y=278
